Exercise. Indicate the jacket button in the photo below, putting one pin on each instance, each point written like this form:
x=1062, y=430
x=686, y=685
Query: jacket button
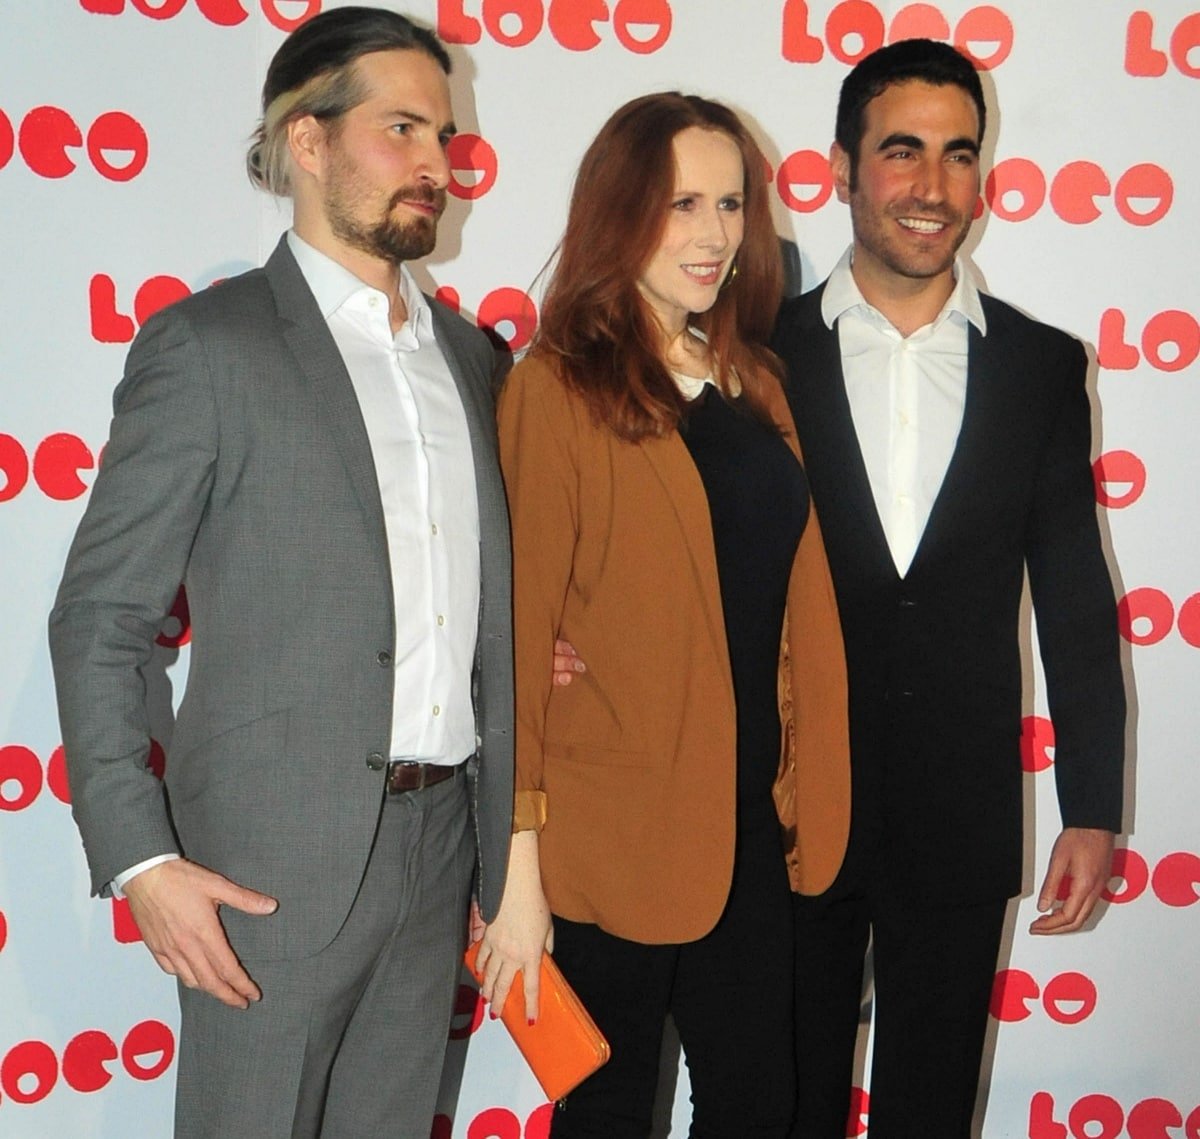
x=376, y=761
x=384, y=658
x=907, y=603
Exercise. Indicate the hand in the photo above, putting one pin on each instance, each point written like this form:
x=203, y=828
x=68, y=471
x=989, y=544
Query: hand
x=566, y=662
x=1085, y=858
x=515, y=941
x=175, y=906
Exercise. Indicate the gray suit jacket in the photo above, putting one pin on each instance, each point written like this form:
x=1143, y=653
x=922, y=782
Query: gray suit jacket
x=239, y=464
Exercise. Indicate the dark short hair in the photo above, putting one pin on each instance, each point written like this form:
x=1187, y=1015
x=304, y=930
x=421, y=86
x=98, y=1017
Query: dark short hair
x=312, y=73
x=927, y=61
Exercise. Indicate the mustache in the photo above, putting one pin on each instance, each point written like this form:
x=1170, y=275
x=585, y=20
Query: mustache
x=422, y=195
x=915, y=207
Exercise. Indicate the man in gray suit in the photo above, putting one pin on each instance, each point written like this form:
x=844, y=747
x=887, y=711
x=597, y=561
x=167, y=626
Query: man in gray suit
x=310, y=449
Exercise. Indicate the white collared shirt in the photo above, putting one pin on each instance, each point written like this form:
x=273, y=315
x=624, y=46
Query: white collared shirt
x=422, y=452
x=907, y=395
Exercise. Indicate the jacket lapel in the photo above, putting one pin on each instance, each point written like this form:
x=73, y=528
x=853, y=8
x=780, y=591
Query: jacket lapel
x=831, y=445
x=320, y=365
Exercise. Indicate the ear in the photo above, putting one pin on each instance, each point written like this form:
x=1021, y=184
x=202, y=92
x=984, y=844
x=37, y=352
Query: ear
x=839, y=160
x=307, y=144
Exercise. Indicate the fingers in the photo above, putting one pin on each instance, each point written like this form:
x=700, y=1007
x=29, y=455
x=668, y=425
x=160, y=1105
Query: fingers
x=566, y=662
x=1079, y=866
x=501, y=983
x=531, y=978
x=242, y=898
x=175, y=907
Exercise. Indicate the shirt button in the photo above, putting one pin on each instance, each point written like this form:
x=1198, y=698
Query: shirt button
x=433, y=529
x=437, y=709
x=384, y=658
x=441, y=620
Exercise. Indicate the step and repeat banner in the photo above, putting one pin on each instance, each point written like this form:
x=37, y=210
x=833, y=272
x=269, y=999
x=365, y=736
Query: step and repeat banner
x=123, y=125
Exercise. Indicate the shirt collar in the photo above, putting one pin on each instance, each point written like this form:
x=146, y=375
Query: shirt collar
x=842, y=294
x=333, y=284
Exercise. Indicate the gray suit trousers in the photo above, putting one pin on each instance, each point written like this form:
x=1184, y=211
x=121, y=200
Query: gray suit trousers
x=348, y=1043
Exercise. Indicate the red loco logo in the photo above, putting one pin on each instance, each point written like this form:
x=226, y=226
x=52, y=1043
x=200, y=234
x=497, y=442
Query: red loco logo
x=473, y=166
x=641, y=26
x=1120, y=478
x=22, y=777
x=1102, y=1117
x=500, y=1123
x=57, y=461
x=30, y=1070
x=1147, y=615
x=116, y=143
x=286, y=15
x=1170, y=341
x=1016, y=189
x=506, y=312
x=1068, y=998
x=1143, y=58
x=853, y=29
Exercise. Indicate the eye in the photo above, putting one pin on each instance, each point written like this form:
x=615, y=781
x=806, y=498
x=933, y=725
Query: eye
x=685, y=203
x=402, y=128
x=731, y=204
x=444, y=138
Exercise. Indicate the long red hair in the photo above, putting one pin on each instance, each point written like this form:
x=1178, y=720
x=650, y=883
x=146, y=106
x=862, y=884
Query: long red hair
x=604, y=341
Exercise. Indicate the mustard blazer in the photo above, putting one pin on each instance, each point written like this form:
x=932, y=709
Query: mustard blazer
x=631, y=766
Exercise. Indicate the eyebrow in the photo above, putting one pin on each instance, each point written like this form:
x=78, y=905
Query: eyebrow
x=422, y=121
x=911, y=141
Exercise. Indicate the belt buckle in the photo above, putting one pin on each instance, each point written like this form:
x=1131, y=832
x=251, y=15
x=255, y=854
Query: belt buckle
x=406, y=765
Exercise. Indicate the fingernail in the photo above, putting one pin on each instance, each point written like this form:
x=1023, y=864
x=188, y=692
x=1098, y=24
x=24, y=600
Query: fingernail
x=493, y=1015
x=531, y=1021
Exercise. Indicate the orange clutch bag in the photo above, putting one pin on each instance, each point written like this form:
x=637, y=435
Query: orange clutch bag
x=564, y=1046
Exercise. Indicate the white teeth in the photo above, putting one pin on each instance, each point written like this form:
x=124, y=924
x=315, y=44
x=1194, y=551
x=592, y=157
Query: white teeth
x=922, y=225
x=699, y=270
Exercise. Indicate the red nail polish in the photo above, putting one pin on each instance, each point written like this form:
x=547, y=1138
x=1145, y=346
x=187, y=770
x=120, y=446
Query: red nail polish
x=532, y=1021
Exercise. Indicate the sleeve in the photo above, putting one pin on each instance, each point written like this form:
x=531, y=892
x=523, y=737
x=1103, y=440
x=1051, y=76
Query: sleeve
x=1075, y=606
x=539, y=459
x=122, y=574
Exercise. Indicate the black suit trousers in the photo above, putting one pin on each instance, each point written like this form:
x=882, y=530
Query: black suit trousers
x=933, y=972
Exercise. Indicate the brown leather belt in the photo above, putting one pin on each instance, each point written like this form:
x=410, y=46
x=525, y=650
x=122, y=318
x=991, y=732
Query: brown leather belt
x=402, y=776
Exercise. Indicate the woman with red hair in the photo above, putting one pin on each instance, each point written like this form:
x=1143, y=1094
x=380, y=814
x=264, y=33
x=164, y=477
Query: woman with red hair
x=661, y=524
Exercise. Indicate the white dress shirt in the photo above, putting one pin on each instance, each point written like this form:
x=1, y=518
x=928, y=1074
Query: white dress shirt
x=907, y=395
x=422, y=452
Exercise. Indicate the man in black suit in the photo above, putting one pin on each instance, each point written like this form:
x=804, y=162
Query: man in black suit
x=947, y=441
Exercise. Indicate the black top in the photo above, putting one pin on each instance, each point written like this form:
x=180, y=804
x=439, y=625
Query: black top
x=758, y=501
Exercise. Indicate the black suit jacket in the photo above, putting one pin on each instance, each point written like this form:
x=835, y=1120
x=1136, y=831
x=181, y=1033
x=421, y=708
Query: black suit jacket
x=934, y=657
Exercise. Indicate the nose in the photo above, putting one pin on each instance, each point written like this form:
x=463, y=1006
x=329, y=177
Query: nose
x=435, y=165
x=930, y=182
x=715, y=233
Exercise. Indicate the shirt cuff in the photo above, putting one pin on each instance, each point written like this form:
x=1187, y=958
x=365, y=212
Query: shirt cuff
x=529, y=811
x=118, y=884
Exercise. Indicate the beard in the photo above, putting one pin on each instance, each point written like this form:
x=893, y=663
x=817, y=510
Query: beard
x=873, y=232
x=388, y=238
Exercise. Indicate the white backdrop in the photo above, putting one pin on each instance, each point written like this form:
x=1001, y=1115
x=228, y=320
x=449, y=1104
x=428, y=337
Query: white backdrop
x=122, y=129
